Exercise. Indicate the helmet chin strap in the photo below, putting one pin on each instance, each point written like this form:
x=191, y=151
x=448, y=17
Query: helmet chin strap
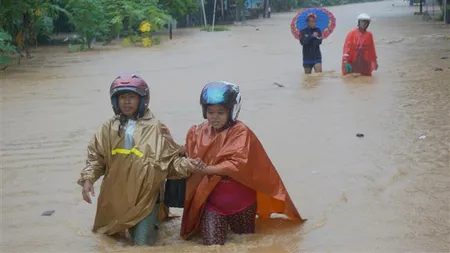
x=123, y=121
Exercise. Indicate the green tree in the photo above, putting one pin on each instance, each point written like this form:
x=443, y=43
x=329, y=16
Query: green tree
x=6, y=47
x=179, y=8
x=26, y=19
x=89, y=18
x=156, y=15
x=124, y=15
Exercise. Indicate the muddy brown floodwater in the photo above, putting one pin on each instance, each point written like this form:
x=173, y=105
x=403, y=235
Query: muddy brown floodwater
x=386, y=192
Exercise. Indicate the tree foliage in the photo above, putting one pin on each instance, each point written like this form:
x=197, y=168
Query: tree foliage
x=284, y=5
x=179, y=8
x=27, y=20
x=6, y=47
x=89, y=19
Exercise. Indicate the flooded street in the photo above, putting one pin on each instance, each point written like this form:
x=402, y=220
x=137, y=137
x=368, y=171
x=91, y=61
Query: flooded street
x=386, y=192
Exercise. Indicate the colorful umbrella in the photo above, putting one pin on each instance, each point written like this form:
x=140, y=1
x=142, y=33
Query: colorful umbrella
x=325, y=21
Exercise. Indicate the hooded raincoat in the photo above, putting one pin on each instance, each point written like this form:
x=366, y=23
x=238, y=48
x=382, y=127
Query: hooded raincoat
x=359, y=52
x=132, y=176
x=238, y=154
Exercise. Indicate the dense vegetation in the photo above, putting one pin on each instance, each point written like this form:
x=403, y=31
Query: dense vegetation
x=26, y=23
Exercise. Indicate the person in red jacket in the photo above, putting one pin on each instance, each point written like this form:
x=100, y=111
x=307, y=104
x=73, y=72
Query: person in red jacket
x=360, y=56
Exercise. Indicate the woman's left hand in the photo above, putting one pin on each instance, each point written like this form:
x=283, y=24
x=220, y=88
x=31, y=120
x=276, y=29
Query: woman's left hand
x=199, y=164
x=201, y=167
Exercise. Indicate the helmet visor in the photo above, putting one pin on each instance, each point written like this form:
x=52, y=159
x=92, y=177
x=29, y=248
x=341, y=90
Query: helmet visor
x=125, y=89
x=214, y=93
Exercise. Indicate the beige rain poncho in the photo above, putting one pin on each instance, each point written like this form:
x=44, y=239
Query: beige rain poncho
x=132, y=177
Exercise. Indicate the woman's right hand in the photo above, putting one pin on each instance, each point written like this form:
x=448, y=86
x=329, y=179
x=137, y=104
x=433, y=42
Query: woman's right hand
x=88, y=188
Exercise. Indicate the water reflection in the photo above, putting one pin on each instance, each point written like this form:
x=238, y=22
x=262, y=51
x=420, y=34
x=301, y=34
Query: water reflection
x=359, y=79
x=311, y=81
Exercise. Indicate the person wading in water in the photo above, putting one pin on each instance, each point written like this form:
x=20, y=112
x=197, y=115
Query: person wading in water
x=310, y=39
x=360, y=56
x=235, y=179
x=135, y=153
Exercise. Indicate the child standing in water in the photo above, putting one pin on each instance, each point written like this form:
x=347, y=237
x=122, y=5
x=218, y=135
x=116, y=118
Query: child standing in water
x=311, y=39
x=135, y=153
x=235, y=179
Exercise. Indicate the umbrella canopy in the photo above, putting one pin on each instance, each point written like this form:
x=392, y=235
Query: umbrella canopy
x=325, y=21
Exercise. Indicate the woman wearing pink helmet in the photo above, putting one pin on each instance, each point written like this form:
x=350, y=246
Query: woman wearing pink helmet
x=136, y=154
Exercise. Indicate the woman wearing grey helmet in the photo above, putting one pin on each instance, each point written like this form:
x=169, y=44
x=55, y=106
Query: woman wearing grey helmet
x=235, y=179
x=360, y=56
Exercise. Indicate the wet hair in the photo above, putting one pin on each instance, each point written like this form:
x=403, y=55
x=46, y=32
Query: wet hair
x=310, y=17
